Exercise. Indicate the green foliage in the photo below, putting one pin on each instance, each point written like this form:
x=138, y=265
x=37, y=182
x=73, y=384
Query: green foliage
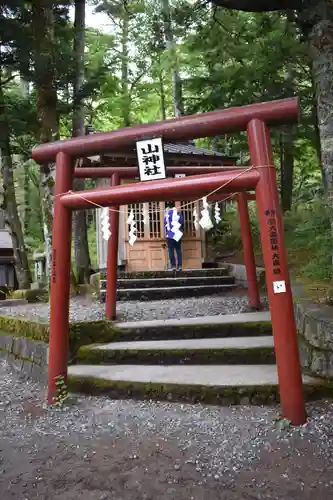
x=226, y=236
x=225, y=58
x=307, y=233
x=61, y=391
x=309, y=241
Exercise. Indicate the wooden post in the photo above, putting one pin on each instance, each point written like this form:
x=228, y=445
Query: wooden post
x=277, y=275
x=112, y=258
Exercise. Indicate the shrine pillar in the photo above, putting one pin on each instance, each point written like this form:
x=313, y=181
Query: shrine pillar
x=248, y=252
x=277, y=274
x=112, y=259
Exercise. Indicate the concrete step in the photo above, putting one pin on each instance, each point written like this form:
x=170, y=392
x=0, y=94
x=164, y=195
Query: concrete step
x=202, y=327
x=241, y=350
x=221, y=384
x=145, y=294
x=220, y=271
x=168, y=282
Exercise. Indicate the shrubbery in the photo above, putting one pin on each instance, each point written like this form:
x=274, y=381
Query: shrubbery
x=307, y=233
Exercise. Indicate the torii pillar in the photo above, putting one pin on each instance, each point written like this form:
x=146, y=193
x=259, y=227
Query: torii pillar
x=249, y=259
x=112, y=259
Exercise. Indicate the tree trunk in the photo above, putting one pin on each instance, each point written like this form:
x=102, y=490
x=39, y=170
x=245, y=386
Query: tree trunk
x=81, y=247
x=124, y=69
x=26, y=190
x=316, y=141
x=177, y=88
x=287, y=168
x=46, y=94
x=162, y=95
x=12, y=219
x=321, y=53
x=24, y=87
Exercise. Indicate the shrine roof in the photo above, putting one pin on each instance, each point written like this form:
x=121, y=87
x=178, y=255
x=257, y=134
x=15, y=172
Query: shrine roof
x=190, y=149
x=177, y=153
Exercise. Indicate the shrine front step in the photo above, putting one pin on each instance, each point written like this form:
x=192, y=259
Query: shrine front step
x=212, y=384
x=162, y=293
x=231, y=351
x=202, y=327
x=184, y=273
x=168, y=282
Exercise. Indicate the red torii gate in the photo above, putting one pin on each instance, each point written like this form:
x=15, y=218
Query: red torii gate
x=117, y=173
x=261, y=177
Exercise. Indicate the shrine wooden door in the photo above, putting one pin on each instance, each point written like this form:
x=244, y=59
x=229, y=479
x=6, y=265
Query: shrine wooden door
x=149, y=252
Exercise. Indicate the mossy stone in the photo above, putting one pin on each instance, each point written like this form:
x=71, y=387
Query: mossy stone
x=79, y=333
x=30, y=295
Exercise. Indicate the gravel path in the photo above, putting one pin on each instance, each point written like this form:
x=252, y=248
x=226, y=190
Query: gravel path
x=124, y=450
x=85, y=309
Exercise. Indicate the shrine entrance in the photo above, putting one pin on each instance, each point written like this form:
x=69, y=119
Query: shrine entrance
x=260, y=176
x=150, y=250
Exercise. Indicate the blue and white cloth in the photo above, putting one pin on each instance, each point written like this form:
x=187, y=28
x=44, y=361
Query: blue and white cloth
x=173, y=222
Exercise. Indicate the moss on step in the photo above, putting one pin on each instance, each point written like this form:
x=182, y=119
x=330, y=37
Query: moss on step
x=88, y=332
x=256, y=395
x=79, y=333
x=260, y=355
x=191, y=331
x=23, y=328
x=219, y=271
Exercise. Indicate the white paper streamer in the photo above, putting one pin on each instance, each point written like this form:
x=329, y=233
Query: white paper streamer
x=175, y=225
x=132, y=237
x=105, y=224
x=217, y=214
x=205, y=221
x=145, y=215
x=196, y=219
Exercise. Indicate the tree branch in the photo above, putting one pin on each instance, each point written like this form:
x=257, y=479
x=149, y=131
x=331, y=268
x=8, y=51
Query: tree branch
x=9, y=79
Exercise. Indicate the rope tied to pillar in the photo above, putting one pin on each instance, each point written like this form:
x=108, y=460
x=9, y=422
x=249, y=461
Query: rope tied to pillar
x=252, y=167
x=205, y=222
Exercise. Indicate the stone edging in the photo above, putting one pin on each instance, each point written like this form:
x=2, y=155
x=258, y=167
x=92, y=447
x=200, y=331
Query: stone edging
x=238, y=271
x=29, y=357
x=314, y=324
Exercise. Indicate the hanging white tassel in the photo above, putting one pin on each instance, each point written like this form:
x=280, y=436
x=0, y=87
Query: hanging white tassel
x=132, y=230
x=205, y=221
x=145, y=214
x=105, y=224
x=195, y=219
x=175, y=225
x=217, y=213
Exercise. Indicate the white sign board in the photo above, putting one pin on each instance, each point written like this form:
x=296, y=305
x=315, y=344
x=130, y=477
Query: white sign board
x=279, y=287
x=180, y=175
x=151, y=159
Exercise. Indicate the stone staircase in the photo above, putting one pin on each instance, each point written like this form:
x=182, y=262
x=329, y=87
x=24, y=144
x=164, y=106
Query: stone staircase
x=219, y=359
x=160, y=285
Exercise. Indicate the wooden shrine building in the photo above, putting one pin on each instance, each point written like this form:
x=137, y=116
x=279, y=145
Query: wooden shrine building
x=150, y=250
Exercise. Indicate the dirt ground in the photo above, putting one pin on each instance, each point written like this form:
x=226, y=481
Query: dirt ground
x=99, y=449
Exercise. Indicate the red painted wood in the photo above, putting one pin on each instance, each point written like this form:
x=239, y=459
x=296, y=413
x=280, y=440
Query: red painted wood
x=60, y=278
x=275, y=259
x=248, y=252
x=187, y=127
x=112, y=258
x=168, y=189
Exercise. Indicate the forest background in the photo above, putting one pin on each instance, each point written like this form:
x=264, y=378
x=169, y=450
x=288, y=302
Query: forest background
x=153, y=60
